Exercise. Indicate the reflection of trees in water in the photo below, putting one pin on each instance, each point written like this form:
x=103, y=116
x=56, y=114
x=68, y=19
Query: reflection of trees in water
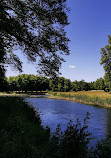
x=108, y=123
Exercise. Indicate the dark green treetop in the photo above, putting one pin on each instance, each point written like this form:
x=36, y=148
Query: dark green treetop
x=37, y=28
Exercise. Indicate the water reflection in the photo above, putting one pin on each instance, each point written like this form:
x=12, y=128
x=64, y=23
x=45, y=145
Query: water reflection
x=54, y=112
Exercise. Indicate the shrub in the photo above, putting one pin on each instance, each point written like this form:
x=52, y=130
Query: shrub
x=73, y=143
x=103, y=149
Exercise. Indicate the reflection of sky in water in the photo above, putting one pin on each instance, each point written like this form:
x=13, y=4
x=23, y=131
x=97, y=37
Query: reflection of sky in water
x=54, y=112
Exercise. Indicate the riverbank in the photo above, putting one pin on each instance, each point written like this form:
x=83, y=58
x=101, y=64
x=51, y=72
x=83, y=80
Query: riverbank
x=21, y=135
x=22, y=94
x=95, y=98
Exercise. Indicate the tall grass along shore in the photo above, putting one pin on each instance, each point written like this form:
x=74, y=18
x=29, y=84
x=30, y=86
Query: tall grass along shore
x=97, y=98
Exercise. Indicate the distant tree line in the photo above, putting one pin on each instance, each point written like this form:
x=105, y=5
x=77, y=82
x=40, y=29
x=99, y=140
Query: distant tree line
x=27, y=82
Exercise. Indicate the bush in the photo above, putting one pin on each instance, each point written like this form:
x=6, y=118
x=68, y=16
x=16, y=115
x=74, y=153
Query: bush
x=73, y=143
x=103, y=149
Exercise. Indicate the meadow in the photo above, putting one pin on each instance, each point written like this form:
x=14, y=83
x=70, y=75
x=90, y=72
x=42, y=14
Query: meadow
x=97, y=98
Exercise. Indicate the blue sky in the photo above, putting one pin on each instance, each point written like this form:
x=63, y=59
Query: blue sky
x=90, y=23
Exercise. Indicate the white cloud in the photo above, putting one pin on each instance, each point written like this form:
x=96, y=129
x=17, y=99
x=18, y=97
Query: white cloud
x=71, y=66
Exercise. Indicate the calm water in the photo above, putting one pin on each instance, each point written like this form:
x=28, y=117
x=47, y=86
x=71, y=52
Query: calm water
x=53, y=112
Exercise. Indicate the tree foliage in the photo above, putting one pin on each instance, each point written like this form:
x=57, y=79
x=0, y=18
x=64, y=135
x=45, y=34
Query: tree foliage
x=99, y=84
x=37, y=28
x=26, y=83
x=106, y=61
x=36, y=83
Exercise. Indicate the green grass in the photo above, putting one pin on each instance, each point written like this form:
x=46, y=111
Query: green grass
x=88, y=97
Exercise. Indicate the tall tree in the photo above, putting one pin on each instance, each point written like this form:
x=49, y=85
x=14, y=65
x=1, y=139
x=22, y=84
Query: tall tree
x=37, y=28
x=106, y=61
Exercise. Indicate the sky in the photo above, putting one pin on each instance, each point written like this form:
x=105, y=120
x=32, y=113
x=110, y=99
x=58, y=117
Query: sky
x=90, y=23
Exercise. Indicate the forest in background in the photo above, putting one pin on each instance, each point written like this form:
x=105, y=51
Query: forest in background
x=36, y=83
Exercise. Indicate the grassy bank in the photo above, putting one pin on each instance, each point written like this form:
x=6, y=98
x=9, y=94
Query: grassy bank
x=97, y=98
x=32, y=94
x=22, y=136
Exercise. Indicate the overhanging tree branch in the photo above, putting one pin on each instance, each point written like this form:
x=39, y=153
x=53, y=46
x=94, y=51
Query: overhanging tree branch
x=37, y=27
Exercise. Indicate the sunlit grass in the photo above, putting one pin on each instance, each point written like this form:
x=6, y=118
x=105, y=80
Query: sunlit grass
x=100, y=98
x=89, y=93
